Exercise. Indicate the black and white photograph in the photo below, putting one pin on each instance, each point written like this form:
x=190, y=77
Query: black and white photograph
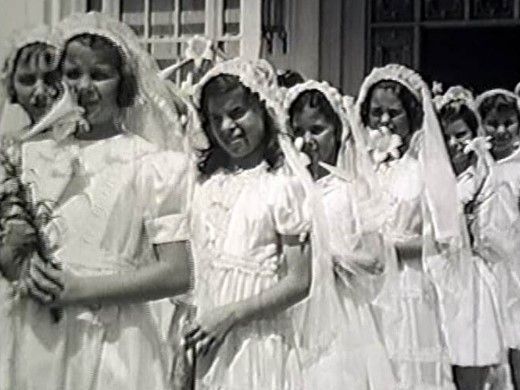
x=259, y=195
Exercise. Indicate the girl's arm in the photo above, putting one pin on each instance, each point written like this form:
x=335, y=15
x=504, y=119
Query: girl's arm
x=290, y=290
x=167, y=277
x=212, y=327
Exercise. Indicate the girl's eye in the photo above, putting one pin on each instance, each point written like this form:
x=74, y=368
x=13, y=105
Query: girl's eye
x=376, y=112
x=28, y=79
x=394, y=113
x=492, y=124
x=317, y=129
x=99, y=75
x=73, y=74
x=237, y=112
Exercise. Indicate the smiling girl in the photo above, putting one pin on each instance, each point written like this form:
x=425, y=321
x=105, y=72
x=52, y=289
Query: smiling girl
x=500, y=227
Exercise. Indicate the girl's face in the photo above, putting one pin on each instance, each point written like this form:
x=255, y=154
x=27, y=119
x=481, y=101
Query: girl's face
x=502, y=126
x=457, y=133
x=387, y=110
x=318, y=133
x=36, y=81
x=94, y=75
x=236, y=121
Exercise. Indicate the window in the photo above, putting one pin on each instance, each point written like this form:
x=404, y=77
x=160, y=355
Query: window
x=164, y=26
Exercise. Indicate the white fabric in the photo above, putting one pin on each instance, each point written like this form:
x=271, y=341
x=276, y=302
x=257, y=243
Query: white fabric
x=237, y=255
x=499, y=229
x=358, y=359
x=469, y=295
x=98, y=230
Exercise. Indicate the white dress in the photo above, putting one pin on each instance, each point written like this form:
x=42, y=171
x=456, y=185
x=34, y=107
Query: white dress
x=120, y=201
x=238, y=219
x=469, y=296
x=499, y=231
x=408, y=305
x=358, y=359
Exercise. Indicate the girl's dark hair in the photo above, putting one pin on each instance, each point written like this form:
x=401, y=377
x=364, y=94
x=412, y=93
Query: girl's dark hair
x=453, y=112
x=289, y=78
x=23, y=56
x=316, y=100
x=498, y=103
x=411, y=104
x=214, y=157
x=128, y=84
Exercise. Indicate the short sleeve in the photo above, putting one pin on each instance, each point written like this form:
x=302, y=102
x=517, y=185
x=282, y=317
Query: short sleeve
x=289, y=206
x=162, y=188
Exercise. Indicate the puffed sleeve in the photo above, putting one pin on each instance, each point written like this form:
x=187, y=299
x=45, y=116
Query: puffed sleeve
x=290, y=209
x=162, y=188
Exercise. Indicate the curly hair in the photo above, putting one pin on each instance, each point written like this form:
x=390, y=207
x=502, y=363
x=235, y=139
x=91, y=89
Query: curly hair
x=24, y=56
x=128, y=84
x=498, y=103
x=316, y=100
x=214, y=157
x=411, y=104
x=453, y=112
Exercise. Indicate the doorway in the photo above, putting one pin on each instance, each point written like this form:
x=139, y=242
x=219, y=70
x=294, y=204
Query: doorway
x=479, y=58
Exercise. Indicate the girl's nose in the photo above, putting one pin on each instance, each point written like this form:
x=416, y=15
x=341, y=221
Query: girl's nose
x=452, y=141
x=501, y=129
x=227, y=123
x=385, y=118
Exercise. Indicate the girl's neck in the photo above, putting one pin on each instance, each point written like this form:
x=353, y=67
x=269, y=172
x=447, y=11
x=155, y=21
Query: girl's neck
x=504, y=153
x=100, y=131
x=252, y=160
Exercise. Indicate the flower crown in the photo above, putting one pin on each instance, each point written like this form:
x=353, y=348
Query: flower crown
x=394, y=72
x=455, y=95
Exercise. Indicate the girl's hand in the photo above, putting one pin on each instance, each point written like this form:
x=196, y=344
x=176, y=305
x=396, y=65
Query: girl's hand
x=46, y=282
x=210, y=330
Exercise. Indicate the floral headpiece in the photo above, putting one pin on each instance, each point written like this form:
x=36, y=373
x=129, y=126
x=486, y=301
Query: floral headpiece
x=455, y=95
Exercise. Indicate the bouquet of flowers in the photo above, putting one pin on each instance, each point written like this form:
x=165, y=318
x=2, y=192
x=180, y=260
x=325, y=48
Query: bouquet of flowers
x=383, y=145
x=22, y=221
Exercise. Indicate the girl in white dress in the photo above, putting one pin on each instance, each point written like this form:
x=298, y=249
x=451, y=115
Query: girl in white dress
x=29, y=79
x=119, y=206
x=250, y=239
x=417, y=218
x=468, y=288
x=499, y=226
x=318, y=116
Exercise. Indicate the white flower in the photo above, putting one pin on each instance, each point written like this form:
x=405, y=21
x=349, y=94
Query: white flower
x=383, y=144
x=198, y=49
x=298, y=144
x=478, y=144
